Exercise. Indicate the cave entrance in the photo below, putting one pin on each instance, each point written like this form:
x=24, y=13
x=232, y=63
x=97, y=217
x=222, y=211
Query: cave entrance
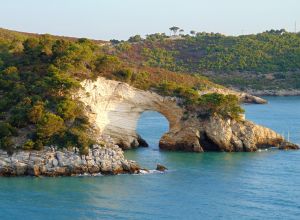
x=151, y=126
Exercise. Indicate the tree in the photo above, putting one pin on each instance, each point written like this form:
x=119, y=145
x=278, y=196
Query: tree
x=36, y=112
x=181, y=31
x=68, y=109
x=134, y=39
x=193, y=32
x=174, y=29
x=124, y=75
x=49, y=125
x=223, y=105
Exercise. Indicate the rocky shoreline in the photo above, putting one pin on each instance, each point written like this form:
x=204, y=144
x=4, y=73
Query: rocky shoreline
x=107, y=160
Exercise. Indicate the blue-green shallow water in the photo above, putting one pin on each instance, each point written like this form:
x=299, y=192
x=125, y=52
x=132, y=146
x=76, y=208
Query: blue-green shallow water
x=262, y=185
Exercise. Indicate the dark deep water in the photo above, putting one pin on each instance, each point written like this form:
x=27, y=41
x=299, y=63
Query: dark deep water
x=261, y=185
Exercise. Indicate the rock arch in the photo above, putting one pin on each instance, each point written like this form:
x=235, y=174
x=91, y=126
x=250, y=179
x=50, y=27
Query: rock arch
x=115, y=107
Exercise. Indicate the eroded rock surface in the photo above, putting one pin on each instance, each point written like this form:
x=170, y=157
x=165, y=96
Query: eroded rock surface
x=216, y=134
x=51, y=162
x=115, y=107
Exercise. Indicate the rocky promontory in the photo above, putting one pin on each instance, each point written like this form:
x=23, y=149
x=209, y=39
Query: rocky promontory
x=217, y=134
x=115, y=107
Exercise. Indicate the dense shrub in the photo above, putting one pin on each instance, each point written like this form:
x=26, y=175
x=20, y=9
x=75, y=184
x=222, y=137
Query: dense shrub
x=123, y=75
x=36, y=112
x=49, y=125
x=68, y=109
x=134, y=39
x=29, y=145
x=223, y=105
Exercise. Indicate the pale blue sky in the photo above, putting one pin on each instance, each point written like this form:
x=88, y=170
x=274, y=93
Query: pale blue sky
x=119, y=19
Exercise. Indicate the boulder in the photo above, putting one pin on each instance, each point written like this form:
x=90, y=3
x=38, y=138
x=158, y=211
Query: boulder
x=161, y=168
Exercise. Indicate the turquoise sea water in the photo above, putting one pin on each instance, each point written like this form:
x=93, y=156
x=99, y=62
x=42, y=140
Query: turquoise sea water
x=261, y=185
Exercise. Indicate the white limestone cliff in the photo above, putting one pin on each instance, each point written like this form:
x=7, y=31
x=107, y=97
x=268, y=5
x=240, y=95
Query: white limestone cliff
x=114, y=109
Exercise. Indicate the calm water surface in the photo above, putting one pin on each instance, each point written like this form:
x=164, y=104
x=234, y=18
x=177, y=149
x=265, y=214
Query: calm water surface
x=262, y=185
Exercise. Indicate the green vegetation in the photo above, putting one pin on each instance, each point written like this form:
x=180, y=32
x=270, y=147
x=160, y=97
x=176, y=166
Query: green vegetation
x=39, y=74
x=226, y=106
x=36, y=84
x=223, y=105
x=242, y=58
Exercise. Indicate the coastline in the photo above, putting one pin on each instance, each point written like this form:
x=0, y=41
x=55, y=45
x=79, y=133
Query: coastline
x=281, y=92
x=51, y=162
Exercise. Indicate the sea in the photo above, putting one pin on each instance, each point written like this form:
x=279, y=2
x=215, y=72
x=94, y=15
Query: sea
x=214, y=185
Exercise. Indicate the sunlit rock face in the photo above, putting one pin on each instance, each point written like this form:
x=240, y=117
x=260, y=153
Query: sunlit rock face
x=114, y=109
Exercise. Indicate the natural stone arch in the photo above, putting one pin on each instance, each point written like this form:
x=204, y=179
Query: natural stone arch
x=115, y=107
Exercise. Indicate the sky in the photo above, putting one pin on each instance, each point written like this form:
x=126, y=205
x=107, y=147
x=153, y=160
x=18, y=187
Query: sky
x=120, y=19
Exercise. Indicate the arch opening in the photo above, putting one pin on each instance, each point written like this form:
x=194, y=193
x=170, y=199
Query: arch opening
x=151, y=126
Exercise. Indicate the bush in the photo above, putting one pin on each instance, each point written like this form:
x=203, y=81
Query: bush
x=134, y=39
x=36, y=112
x=140, y=80
x=7, y=144
x=123, y=75
x=49, y=125
x=38, y=145
x=68, y=109
x=29, y=145
x=6, y=130
x=19, y=113
x=223, y=105
x=107, y=63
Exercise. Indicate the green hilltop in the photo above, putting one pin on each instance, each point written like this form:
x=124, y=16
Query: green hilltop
x=268, y=60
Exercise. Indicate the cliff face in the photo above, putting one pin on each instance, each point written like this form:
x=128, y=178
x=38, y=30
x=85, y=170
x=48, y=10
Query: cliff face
x=216, y=134
x=114, y=108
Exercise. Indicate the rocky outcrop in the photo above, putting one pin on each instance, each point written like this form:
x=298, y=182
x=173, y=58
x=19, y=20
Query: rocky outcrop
x=115, y=107
x=161, y=168
x=50, y=162
x=217, y=134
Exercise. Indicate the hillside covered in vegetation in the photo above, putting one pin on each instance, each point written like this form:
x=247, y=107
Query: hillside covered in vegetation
x=268, y=60
x=40, y=73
